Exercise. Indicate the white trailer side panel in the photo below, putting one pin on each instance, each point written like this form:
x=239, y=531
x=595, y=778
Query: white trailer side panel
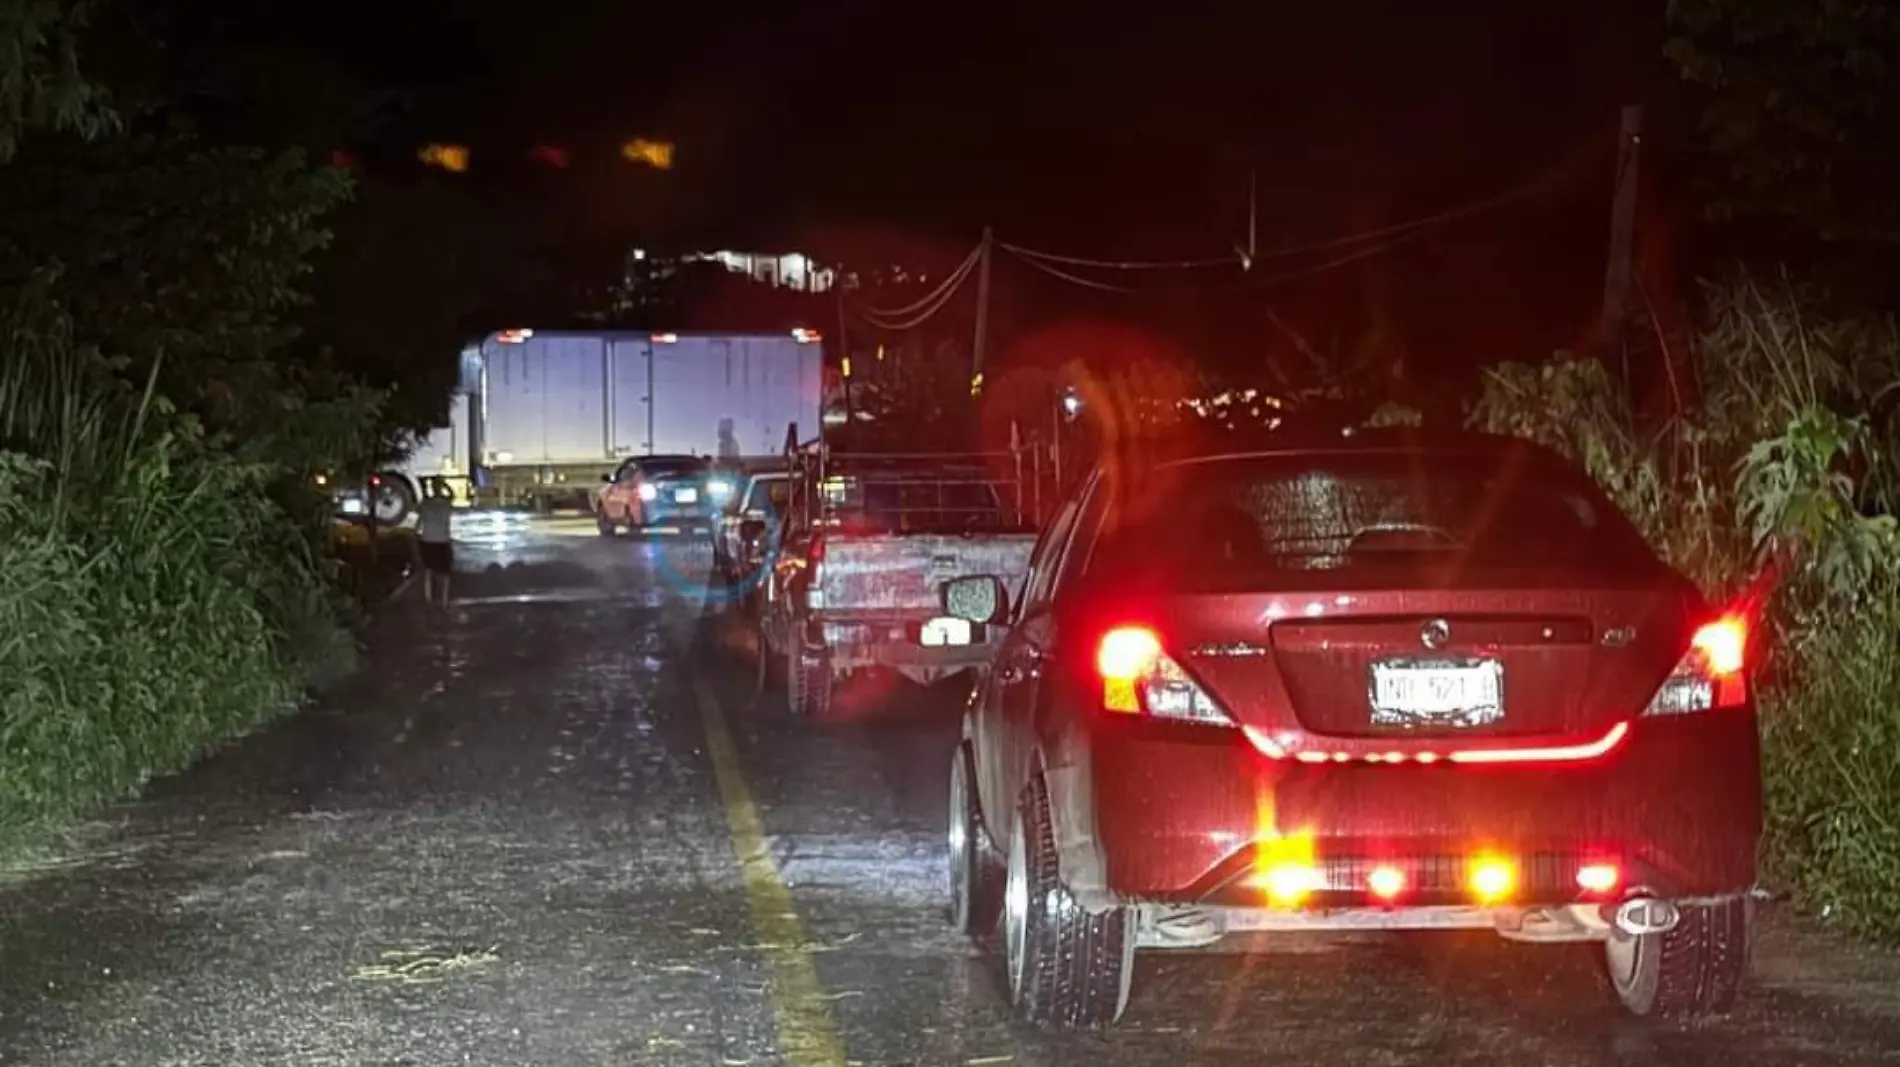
x=627, y=395
x=596, y=398
x=545, y=400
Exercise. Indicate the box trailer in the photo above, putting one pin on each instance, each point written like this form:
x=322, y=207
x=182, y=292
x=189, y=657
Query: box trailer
x=539, y=417
x=554, y=412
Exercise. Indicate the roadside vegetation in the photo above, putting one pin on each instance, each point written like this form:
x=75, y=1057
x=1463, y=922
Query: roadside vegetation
x=1775, y=489
x=168, y=572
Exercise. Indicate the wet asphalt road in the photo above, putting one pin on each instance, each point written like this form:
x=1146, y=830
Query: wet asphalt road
x=550, y=826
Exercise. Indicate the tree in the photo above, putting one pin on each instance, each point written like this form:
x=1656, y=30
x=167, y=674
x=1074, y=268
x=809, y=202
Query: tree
x=40, y=84
x=1800, y=98
x=181, y=259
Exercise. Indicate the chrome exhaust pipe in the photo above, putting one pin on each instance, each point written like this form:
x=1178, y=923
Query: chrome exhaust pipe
x=1640, y=915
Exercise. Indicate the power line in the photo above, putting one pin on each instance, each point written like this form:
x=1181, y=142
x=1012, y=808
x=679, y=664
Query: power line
x=926, y=308
x=948, y=284
x=1103, y=264
x=1362, y=245
x=1073, y=279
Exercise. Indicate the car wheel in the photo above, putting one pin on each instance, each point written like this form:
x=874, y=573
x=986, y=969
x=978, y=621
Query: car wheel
x=976, y=875
x=807, y=683
x=1068, y=969
x=604, y=524
x=1693, y=970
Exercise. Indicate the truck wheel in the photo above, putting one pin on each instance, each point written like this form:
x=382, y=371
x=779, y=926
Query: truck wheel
x=807, y=683
x=976, y=872
x=1068, y=969
x=393, y=500
x=1693, y=970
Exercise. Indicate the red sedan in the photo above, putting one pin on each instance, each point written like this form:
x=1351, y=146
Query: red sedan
x=1367, y=682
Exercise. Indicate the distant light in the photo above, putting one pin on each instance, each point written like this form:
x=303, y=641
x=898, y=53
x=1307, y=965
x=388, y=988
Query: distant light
x=513, y=337
x=639, y=253
x=1071, y=403
x=976, y=383
x=844, y=368
x=655, y=154
x=806, y=337
x=450, y=157
x=665, y=338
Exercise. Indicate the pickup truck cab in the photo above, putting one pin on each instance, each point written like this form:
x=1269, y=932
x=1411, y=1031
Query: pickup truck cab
x=867, y=542
x=739, y=541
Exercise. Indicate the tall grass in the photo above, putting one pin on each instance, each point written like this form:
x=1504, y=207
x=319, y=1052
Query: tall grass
x=153, y=601
x=1776, y=485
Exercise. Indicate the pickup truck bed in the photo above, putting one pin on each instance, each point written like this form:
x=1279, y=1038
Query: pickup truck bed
x=900, y=576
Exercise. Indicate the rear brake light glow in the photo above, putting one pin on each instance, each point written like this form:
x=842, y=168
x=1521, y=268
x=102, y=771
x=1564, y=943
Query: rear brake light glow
x=1492, y=879
x=1711, y=675
x=1723, y=643
x=1289, y=883
x=1138, y=678
x=1598, y=877
x=1386, y=883
x=1587, y=750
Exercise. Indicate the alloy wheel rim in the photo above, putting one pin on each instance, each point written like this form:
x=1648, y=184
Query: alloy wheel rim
x=1016, y=911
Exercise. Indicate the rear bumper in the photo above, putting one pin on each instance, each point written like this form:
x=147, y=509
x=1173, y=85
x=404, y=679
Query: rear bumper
x=888, y=640
x=658, y=515
x=1194, y=814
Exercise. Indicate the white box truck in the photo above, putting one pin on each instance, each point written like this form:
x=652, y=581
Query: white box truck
x=541, y=416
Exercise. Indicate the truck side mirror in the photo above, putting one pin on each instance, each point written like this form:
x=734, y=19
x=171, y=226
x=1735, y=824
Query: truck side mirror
x=977, y=598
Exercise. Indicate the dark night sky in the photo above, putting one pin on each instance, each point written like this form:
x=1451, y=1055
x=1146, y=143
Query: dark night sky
x=1033, y=116
x=1066, y=126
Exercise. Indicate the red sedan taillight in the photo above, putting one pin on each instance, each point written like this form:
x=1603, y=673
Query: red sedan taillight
x=1138, y=678
x=1711, y=675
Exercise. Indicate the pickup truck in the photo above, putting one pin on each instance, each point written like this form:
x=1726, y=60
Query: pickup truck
x=866, y=544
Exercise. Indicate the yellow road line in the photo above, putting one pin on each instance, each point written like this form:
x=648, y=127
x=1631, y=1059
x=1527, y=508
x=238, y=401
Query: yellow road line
x=807, y=1034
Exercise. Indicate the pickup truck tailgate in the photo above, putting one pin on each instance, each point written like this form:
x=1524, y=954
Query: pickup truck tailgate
x=903, y=573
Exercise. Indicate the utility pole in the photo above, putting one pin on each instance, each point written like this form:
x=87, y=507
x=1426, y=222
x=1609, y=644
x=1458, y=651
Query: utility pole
x=1618, y=271
x=844, y=358
x=979, y=346
x=1253, y=220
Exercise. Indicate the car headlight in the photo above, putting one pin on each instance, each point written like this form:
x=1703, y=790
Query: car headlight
x=719, y=487
x=648, y=492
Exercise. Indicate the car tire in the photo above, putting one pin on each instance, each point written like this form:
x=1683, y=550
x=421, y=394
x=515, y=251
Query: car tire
x=1067, y=969
x=1693, y=970
x=807, y=683
x=604, y=524
x=976, y=871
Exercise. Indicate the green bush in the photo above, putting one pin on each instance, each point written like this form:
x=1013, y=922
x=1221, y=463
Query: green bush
x=1775, y=487
x=153, y=599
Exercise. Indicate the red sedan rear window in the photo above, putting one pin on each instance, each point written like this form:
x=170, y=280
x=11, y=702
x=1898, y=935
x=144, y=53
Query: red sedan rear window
x=1377, y=511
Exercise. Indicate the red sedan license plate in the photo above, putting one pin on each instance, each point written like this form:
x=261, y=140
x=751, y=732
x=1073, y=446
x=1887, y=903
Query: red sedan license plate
x=1437, y=693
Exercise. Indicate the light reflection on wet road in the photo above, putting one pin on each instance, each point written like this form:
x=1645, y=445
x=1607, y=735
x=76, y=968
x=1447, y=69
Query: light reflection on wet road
x=509, y=841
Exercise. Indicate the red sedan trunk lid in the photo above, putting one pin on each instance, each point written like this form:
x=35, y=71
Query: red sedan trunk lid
x=1422, y=665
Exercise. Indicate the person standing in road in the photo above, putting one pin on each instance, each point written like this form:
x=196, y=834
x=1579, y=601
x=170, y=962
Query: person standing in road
x=433, y=519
